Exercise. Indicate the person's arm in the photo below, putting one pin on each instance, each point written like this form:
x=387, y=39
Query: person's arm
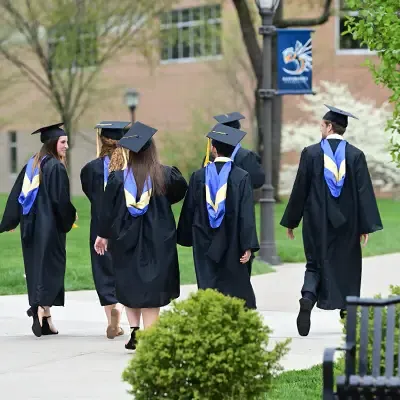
x=301, y=187
x=252, y=164
x=12, y=212
x=176, y=186
x=58, y=189
x=368, y=212
x=247, y=221
x=87, y=181
x=184, y=231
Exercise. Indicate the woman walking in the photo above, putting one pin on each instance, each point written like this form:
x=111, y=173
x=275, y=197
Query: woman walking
x=94, y=176
x=136, y=216
x=40, y=203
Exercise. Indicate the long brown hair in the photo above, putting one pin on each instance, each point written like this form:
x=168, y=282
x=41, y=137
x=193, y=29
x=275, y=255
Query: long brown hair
x=146, y=164
x=49, y=148
x=107, y=146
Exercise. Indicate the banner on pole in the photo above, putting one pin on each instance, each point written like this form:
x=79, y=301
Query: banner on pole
x=294, y=61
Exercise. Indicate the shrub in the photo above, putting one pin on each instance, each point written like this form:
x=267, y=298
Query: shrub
x=394, y=291
x=207, y=347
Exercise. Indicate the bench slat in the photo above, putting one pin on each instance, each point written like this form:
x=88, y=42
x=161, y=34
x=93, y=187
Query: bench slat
x=376, y=352
x=390, y=327
x=363, y=352
x=351, y=339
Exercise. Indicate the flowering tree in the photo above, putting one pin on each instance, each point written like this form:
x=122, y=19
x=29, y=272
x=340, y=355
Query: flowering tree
x=366, y=133
x=378, y=26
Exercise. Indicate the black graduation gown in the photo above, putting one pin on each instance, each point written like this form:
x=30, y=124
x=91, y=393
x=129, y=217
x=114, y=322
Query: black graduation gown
x=143, y=249
x=250, y=162
x=332, y=226
x=43, y=233
x=217, y=252
x=92, y=180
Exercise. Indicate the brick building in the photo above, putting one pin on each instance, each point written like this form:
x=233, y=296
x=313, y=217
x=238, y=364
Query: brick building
x=184, y=81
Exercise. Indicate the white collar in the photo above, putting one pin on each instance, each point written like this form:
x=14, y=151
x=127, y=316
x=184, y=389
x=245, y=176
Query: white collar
x=335, y=136
x=222, y=159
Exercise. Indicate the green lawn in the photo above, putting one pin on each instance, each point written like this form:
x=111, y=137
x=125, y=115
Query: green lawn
x=78, y=259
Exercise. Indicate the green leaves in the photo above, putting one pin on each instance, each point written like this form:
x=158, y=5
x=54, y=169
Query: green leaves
x=379, y=28
x=206, y=347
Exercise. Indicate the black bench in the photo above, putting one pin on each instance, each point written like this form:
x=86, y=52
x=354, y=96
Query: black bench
x=365, y=382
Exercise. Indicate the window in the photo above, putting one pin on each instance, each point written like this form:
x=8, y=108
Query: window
x=12, y=140
x=345, y=43
x=191, y=33
x=72, y=46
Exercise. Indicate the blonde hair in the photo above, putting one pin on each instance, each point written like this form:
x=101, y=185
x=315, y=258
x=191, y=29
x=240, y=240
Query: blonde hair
x=118, y=159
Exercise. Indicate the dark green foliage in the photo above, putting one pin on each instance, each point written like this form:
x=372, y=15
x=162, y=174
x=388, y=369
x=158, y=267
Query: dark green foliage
x=205, y=348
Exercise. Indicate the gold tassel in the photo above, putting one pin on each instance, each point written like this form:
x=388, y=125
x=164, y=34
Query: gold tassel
x=208, y=149
x=98, y=145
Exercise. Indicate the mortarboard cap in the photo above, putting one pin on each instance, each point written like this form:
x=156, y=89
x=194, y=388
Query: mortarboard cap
x=339, y=116
x=114, y=130
x=50, y=132
x=138, y=138
x=231, y=119
x=225, y=134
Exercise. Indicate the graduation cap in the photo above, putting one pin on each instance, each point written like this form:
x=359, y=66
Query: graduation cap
x=339, y=116
x=231, y=119
x=50, y=132
x=226, y=134
x=114, y=130
x=138, y=138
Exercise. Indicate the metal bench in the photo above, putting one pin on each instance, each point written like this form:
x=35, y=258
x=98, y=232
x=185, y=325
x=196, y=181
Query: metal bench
x=370, y=380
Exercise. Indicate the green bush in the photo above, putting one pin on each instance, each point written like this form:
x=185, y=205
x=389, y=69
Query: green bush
x=394, y=291
x=207, y=347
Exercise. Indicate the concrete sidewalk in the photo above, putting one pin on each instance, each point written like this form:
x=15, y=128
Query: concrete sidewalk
x=81, y=363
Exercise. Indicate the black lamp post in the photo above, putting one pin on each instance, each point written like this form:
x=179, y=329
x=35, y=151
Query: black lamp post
x=267, y=252
x=132, y=100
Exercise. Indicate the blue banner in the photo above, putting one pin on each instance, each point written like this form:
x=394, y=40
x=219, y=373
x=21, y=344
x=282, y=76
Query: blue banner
x=294, y=61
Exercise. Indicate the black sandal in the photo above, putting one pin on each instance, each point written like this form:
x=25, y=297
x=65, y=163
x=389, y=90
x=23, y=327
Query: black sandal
x=46, y=329
x=36, y=327
x=131, y=345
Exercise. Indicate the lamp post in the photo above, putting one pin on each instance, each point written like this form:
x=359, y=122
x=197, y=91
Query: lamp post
x=268, y=252
x=132, y=100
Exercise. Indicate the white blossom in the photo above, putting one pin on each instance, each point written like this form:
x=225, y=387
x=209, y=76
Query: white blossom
x=368, y=134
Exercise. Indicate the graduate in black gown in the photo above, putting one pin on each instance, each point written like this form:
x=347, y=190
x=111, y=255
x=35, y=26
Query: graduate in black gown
x=334, y=196
x=243, y=158
x=40, y=203
x=94, y=177
x=218, y=220
x=137, y=226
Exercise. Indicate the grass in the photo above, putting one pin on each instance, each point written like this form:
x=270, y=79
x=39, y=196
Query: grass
x=79, y=275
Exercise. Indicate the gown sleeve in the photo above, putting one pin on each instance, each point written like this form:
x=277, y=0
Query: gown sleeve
x=12, y=212
x=184, y=232
x=87, y=181
x=58, y=188
x=368, y=212
x=301, y=187
x=107, y=212
x=176, y=186
x=252, y=164
x=247, y=219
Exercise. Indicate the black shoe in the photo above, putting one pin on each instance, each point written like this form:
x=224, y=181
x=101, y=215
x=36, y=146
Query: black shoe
x=46, y=329
x=343, y=314
x=304, y=317
x=36, y=327
x=131, y=345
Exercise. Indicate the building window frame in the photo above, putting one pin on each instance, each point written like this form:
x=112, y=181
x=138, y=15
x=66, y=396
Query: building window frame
x=339, y=15
x=180, y=24
x=13, y=153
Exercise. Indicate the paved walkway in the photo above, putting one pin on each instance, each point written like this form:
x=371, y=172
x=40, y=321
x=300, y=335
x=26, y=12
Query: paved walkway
x=81, y=363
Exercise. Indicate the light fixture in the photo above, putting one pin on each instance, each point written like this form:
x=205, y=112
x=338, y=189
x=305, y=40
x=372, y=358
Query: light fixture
x=267, y=5
x=132, y=98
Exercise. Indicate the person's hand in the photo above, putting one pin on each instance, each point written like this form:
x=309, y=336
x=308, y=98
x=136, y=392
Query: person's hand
x=290, y=234
x=76, y=217
x=245, y=257
x=100, y=245
x=364, y=236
